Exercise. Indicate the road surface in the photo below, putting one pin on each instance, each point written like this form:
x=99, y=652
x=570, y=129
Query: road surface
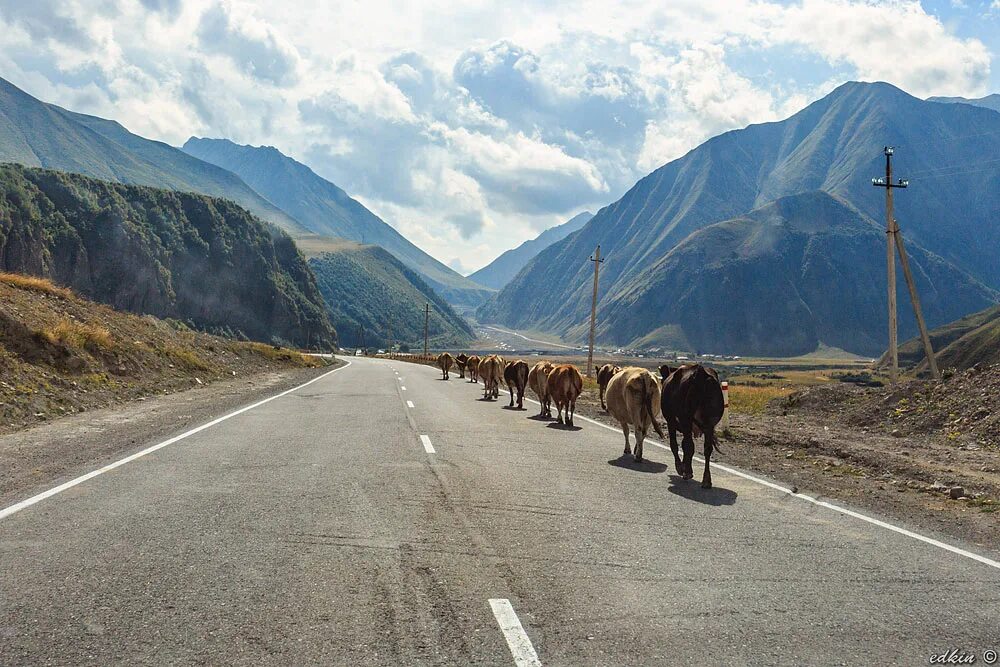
x=380, y=515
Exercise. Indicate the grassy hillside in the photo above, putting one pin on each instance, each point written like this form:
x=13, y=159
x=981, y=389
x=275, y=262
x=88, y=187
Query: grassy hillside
x=968, y=341
x=170, y=254
x=327, y=211
x=366, y=286
x=60, y=353
x=835, y=146
x=502, y=270
x=37, y=134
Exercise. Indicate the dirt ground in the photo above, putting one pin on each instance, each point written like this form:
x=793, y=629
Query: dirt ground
x=925, y=453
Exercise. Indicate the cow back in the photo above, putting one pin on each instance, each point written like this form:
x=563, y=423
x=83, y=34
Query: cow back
x=692, y=395
x=565, y=383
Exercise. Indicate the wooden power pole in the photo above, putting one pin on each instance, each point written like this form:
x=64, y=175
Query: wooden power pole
x=427, y=319
x=596, y=259
x=894, y=243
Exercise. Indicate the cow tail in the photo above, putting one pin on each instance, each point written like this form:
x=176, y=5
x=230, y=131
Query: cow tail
x=647, y=405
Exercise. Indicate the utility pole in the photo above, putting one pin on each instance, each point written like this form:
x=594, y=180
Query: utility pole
x=427, y=319
x=596, y=259
x=894, y=242
x=361, y=335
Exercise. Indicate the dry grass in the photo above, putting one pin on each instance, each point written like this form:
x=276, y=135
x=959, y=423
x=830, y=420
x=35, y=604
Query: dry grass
x=753, y=400
x=186, y=358
x=284, y=355
x=35, y=284
x=78, y=335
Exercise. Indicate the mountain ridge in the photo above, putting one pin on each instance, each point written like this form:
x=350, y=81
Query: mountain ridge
x=40, y=134
x=327, y=210
x=502, y=270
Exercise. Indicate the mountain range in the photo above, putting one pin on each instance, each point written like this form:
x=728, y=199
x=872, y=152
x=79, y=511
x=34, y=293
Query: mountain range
x=369, y=290
x=988, y=102
x=502, y=270
x=833, y=146
x=327, y=211
x=38, y=134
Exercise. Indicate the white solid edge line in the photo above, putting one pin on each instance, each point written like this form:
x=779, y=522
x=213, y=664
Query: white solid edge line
x=815, y=501
x=28, y=502
x=409, y=404
x=428, y=447
x=517, y=639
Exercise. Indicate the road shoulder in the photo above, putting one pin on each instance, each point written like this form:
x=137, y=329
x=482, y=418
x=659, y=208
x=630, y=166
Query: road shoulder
x=37, y=458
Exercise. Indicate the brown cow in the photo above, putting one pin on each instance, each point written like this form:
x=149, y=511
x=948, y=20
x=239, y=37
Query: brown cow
x=564, y=386
x=634, y=399
x=444, y=362
x=460, y=361
x=692, y=403
x=491, y=371
x=604, y=375
x=515, y=374
x=538, y=381
x=473, y=366
x=666, y=370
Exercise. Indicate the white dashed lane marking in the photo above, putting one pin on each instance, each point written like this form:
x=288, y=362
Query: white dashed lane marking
x=517, y=639
x=409, y=404
x=428, y=447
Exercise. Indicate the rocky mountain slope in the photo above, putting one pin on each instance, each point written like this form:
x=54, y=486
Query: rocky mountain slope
x=365, y=286
x=169, y=254
x=834, y=145
x=38, y=134
x=326, y=210
x=502, y=270
x=780, y=280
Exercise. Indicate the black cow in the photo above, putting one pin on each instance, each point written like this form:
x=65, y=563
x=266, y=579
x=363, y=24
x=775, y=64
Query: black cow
x=692, y=403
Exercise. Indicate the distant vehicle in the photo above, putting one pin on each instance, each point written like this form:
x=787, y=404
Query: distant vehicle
x=358, y=353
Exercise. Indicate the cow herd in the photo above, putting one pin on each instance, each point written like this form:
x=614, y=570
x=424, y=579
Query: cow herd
x=688, y=398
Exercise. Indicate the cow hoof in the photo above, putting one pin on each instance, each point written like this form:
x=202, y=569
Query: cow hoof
x=706, y=485
x=688, y=476
x=639, y=459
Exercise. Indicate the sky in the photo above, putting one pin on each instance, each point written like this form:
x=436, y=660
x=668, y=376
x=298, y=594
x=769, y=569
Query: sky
x=473, y=126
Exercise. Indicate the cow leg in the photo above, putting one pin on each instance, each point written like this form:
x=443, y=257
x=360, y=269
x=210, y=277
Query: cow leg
x=678, y=465
x=687, y=444
x=520, y=398
x=572, y=411
x=559, y=411
x=511, y=392
x=639, y=437
x=603, y=406
x=628, y=450
x=706, y=478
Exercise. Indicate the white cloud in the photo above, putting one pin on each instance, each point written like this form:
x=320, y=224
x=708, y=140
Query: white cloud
x=471, y=127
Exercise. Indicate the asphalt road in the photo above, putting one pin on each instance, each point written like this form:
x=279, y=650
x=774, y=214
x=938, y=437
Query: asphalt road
x=318, y=528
